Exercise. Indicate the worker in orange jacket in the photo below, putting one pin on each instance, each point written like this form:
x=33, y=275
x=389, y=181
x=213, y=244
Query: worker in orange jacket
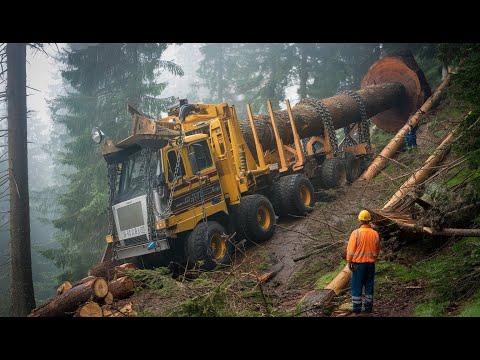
x=362, y=253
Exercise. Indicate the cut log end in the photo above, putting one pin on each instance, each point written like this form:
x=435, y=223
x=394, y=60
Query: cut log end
x=90, y=309
x=123, y=270
x=121, y=310
x=108, y=299
x=66, y=285
x=100, y=288
x=404, y=70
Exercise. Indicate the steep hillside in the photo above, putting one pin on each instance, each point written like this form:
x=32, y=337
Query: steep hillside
x=415, y=274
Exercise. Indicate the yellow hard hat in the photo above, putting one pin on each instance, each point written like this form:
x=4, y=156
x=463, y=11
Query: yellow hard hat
x=364, y=216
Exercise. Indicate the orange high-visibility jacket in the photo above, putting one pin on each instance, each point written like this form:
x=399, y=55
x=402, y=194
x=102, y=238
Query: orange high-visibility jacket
x=364, y=245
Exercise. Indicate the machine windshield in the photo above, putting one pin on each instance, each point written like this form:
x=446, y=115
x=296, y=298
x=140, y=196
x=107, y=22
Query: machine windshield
x=132, y=173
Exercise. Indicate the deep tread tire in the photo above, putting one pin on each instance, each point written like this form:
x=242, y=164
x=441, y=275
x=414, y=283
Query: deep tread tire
x=247, y=221
x=333, y=173
x=288, y=198
x=353, y=168
x=198, y=246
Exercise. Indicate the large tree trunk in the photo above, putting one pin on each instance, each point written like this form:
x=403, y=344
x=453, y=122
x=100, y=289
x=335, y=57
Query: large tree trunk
x=22, y=296
x=67, y=303
x=393, y=88
x=343, y=110
x=121, y=288
x=397, y=141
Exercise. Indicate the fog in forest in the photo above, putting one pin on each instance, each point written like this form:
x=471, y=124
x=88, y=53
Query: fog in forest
x=73, y=87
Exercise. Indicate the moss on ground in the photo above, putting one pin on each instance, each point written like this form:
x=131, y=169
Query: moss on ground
x=326, y=278
x=472, y=307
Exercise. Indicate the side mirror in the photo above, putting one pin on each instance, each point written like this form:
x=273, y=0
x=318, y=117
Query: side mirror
x=193, y=162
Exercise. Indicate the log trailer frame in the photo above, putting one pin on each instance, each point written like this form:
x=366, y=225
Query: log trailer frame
x=181, y=187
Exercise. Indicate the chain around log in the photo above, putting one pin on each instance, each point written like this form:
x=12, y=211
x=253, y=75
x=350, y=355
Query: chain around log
x=327, y=120
x=364, y=124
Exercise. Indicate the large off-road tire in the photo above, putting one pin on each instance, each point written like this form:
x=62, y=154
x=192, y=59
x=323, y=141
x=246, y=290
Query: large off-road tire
x=293, y=194
x=365, y=161
x=211, y=249
x=353, y=166
x=333, y=173
x=255, y=218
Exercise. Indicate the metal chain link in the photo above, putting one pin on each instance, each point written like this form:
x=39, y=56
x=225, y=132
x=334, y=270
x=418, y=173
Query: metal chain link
x=204, y=215
x=112, y=185
x=176, y=176
x=349, y=141
x=146, y=154
x=364, y=124
x=327, y=120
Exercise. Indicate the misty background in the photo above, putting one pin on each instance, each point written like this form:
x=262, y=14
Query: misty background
x=73, y=87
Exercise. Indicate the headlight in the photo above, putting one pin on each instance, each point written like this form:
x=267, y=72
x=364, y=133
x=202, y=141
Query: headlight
x=97, y=135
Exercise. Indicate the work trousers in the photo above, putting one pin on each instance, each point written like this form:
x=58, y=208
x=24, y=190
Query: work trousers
x=363, y=276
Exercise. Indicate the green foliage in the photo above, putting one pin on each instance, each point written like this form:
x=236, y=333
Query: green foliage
x=217, y=70
x=212, y=305
x=263, y=73
x=239, y=73
x=381, y=138
x=466, y=87
x=472, y=309
x=454, y=276
x=265, y=260
x=325, y=279
x=100, y=81
x=385, y=270
x=158, y=280
x=430, y=309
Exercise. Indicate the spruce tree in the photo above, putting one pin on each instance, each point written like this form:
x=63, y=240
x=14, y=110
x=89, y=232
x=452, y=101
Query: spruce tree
x=100, y=80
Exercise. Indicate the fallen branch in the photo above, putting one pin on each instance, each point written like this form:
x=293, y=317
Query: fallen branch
x=444, y=232
x=423, y=173
x=271, y=273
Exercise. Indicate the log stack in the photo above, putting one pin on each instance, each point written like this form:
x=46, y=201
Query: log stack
x=93, y=296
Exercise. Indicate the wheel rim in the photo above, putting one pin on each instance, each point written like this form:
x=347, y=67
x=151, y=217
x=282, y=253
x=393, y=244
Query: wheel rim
x=355, y=168
x=263, y=217
x=306, y=195
x=218, y=247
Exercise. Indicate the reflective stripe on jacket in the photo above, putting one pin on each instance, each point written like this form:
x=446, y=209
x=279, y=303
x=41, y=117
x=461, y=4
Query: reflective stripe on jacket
x=364, y=245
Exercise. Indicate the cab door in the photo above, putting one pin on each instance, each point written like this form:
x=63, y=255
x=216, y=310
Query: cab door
x=204, y=181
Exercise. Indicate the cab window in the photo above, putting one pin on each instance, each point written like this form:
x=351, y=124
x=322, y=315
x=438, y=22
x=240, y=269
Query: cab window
x=202, y=154
x=172, y=162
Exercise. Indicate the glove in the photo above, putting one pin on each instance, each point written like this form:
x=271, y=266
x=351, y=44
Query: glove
x=352, y=266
